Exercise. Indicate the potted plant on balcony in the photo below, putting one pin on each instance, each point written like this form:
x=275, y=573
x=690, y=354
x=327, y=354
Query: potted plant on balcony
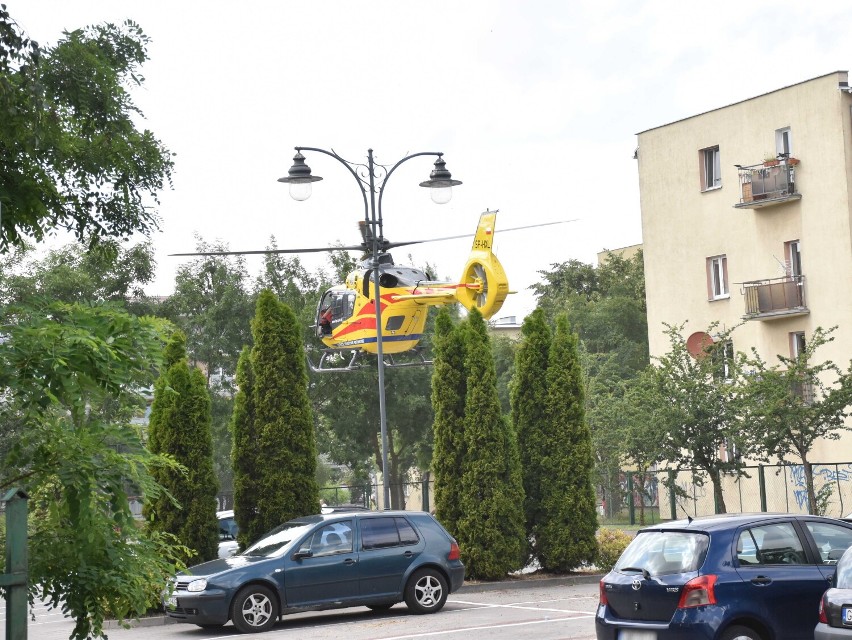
x=770, y=160
x=792, y=161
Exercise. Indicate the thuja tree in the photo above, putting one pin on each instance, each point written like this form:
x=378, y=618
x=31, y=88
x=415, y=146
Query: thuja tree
x=449, y=385
x=491, y=528
x=243, y=457
x=565, y=531
x=284, y=441
x=179, y=426
x=529, y=401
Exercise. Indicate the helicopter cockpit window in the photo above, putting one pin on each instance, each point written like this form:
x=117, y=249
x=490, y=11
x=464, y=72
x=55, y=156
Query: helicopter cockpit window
x=334, y=307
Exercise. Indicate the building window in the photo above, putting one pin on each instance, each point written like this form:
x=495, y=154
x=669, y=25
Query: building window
x=723, y=360
x=783, y=142
x=717, y=278
x=711, y=169
x=793, y=255
x=797, y=344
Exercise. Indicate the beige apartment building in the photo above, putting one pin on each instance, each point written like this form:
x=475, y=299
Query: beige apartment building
x=747, y=218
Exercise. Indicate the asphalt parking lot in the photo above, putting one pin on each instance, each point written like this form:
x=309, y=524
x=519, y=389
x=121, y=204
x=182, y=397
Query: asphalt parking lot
x=559, y=608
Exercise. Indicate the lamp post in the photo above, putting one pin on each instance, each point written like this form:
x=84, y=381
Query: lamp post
x=440, y=184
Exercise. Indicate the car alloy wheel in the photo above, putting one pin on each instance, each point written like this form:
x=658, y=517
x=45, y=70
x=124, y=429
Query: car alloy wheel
x=254, y=609
x=426, y=591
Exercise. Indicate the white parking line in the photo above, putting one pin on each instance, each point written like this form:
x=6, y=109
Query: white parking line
x=519, y=606
x=486, y=627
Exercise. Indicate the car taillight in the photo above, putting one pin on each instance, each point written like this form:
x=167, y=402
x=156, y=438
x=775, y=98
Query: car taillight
x=602, y=600
x=822, y=616
x=455, y=552
x=697, y=592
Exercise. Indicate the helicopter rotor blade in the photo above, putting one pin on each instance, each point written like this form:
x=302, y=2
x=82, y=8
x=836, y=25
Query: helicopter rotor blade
x=391, y=245
x=272, y=251
x=365, y=247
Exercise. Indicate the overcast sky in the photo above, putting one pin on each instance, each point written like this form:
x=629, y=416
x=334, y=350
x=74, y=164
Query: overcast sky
x=535, y=105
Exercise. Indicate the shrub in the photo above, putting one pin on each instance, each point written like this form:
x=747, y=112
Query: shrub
x=611, y=543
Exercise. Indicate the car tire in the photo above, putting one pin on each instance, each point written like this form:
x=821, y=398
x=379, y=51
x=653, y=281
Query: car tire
x=254, y=609
x=380, y=607
x=738, y=632
x=426, y=591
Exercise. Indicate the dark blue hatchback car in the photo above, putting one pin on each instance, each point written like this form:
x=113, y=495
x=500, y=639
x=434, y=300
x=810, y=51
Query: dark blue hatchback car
x=729, y=577
x=372, y=559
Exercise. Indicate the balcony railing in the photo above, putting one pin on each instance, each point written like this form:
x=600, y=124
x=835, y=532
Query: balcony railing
x=774, y=297
x=768, y=183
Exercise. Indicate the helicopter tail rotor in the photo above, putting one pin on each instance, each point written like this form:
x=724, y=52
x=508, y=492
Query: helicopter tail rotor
x=483, y=284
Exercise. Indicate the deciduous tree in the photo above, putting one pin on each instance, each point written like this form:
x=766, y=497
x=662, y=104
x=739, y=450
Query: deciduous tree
x=795, y=403
x=71, y=153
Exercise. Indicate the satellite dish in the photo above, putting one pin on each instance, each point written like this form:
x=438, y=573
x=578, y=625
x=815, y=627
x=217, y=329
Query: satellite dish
x=697, y=344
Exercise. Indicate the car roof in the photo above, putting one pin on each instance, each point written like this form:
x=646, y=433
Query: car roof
x=730, y=520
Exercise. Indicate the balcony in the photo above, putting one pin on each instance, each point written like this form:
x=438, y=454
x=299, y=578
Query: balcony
x=770, y=183
x=775, y=298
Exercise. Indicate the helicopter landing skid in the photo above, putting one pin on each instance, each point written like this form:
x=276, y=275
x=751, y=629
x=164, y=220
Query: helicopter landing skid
x=337, y=360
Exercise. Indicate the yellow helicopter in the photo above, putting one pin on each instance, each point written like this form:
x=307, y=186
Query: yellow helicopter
x=346, y=313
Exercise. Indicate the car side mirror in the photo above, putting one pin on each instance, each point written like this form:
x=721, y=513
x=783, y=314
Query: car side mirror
x=303, y=553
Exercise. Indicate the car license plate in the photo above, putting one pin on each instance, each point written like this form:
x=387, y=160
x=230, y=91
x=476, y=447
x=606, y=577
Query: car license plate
x=171, y=603
x=847, y=615
x=633, y=634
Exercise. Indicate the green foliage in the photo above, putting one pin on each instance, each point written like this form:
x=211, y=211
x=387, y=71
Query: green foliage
x=698, y=410
x=792, y=405
x=74, y=273
x=491, y=527
x=449, y=387
x=73, y=157
x=179, y=427
x=611, y=544
x=213, y=308
x=245, y=462
x=565, y=533
x=71, y=376
x=529, y=406
x=283, y=421
x=504, y=350
x=606, y=307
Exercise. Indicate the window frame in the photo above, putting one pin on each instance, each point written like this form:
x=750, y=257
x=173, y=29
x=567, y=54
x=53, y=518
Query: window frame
x=717, y=273
x=711, y=168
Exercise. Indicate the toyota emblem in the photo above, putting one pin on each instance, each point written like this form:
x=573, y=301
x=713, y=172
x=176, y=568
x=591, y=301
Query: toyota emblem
x=637, y=584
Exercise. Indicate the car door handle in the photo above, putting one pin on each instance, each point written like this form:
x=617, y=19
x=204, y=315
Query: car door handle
x=761, y=580
x=349, y=561
x=408, y=554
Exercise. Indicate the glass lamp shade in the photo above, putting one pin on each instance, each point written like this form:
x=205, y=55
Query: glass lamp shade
x=441, y=195
x=300, y=190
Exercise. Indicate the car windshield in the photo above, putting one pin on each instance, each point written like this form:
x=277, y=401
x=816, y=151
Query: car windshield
x=275, y=542
x=662, y=552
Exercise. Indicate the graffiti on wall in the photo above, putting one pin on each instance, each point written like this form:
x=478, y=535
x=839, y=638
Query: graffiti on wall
x=823, y=475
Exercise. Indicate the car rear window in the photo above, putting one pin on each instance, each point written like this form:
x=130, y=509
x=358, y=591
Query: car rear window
x=662, y=552
x=379, y=533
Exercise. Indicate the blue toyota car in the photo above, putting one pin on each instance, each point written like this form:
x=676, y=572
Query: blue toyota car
x=328, y=561
x=729, y=577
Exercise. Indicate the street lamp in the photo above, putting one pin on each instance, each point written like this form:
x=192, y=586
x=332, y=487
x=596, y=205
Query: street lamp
x=440, y=184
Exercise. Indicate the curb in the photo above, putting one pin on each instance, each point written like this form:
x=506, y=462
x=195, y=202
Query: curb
x=561, y=581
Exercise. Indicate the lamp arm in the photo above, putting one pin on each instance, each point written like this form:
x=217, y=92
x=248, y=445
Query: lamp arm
x=348, y=166
x=392, y=169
